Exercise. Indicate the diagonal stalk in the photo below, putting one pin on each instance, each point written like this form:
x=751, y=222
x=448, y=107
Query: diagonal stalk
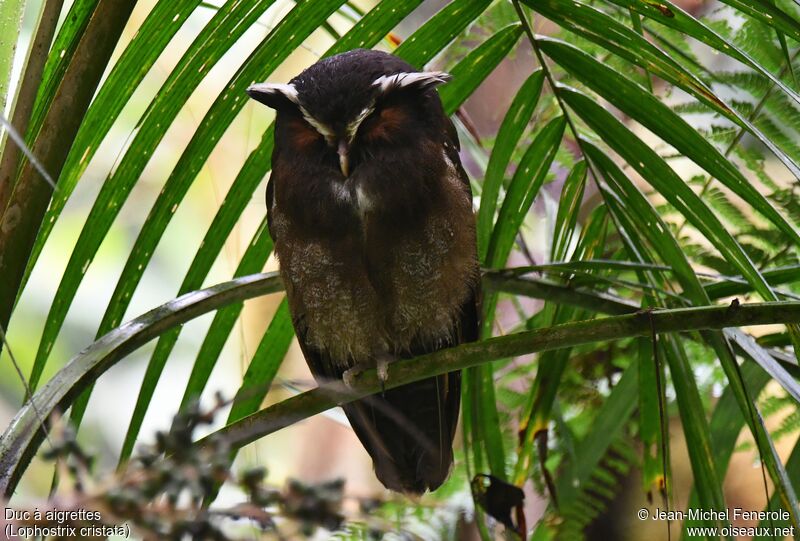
x=643, y=323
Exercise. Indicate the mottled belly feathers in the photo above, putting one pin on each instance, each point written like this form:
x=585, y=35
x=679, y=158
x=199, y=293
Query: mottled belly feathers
x=356, y=305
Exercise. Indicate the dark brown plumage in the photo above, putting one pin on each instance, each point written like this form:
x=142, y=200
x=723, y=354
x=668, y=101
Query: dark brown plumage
x=371, y=214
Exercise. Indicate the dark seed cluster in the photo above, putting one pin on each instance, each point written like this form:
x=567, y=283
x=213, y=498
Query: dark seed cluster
x=166, y=490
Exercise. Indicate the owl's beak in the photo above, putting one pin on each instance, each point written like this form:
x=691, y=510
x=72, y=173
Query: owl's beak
x=344, y=163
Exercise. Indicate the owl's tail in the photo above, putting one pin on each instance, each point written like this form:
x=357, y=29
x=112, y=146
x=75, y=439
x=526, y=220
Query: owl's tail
x=408, y=431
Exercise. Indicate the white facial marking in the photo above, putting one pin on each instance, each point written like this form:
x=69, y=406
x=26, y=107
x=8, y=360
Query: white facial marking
x=323, y=129
x=421, y=78
x=290, y=92
x=287, y=90
x=352, y=127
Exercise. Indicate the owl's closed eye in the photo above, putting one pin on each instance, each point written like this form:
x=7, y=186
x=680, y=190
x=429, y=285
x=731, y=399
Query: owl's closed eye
x=304, y=138
x=385, y=124
x=348, y=118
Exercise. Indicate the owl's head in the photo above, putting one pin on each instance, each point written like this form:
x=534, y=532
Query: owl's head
x=346, y=107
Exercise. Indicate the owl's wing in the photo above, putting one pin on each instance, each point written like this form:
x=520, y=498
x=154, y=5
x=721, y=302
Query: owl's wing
x=319, y=362
x=470, y=314
x=270, y=201
x=408, y=431
x=451, y=147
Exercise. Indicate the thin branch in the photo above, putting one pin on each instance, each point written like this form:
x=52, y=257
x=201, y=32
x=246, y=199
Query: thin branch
x=18, y=370
x=19, y=144
x=24, y=435
x=334, y=394
x=538, y=288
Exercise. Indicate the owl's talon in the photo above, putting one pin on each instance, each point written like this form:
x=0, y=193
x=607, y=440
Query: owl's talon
x=383, y=372
x=350, y=376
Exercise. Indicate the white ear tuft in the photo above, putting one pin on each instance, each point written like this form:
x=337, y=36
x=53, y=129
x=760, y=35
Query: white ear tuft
x=272, y=94
x=418, y=79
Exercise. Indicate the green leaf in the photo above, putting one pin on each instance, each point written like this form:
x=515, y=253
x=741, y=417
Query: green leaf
x=673, y=16
x=769, y=14
x=618, y=39
x=767, y=363
x=652, y=421
x=514, y=123
x=607, y=425
x=252, y=261
x=486, y=425
x=20, y=102
x=695, y=428
x=11, y=12
x=655, y=171
x=207, y=49
x=793, y=470
x=538, y=410
x=661, y=120
x=62, y=53
x=419, y=48
x=636, y=217
x=706, y=478
x=736, y=286
x=654, y=228
x=528, y=178
x=539, y=407
x=568, y=208
x=727, y=420
x=538, y=288
x=264, y=365
x=477, y=65
x=786, y=493
x=23, y=212
x=134, y=63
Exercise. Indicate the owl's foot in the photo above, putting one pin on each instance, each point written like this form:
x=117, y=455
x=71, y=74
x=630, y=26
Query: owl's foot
x=351, y=375
x=382, y=367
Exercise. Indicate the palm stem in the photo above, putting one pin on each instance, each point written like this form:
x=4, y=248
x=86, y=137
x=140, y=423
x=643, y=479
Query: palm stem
x=643, y=323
